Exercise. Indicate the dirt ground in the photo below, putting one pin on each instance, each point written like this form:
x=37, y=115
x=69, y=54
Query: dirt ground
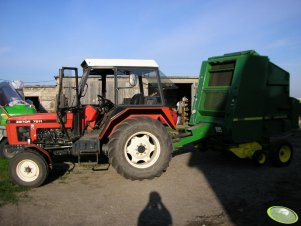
x=199, y=188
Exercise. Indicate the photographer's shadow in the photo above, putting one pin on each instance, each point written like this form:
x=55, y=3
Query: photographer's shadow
x=155, y=213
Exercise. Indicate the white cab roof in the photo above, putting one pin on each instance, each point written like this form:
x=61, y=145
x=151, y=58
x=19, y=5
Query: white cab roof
x=109, y=63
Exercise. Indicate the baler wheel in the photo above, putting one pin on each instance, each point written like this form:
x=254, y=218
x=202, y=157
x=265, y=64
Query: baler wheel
x=202, y=146
x=281, y=153
x=28, y=169
x=140, y=148
x=259, y=157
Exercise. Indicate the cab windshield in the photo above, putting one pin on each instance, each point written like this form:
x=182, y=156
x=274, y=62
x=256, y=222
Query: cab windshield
x=144, y=92
x=120, y=85
x=9, y=96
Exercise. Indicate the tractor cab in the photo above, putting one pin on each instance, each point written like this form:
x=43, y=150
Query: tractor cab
x=123, y=82
x=106, y=87
x=9, y=96
x=12, y=103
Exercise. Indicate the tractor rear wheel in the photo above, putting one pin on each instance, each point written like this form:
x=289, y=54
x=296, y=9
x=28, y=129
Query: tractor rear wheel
x=140, y=148
x=281, y=153
x=28, y=169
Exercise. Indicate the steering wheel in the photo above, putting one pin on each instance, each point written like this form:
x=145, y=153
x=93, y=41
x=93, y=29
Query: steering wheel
x=104, y=104
x=101, y=101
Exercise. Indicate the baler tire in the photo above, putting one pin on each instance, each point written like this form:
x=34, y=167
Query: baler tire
x=140, y=148
x=260, y=157
x=201, y=146
x=281, y=153
x=28, y=169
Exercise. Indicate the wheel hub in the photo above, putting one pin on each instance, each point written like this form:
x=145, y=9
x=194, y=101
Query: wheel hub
x=27, y=169
x=141, y=148
x=285, y=154
x=262, y=159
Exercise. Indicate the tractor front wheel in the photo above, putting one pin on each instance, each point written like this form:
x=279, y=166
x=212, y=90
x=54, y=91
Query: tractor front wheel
x=28, y=169
x=140, y=148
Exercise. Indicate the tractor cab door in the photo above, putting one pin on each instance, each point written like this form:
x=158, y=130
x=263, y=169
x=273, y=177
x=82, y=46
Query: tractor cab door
x=68, y=100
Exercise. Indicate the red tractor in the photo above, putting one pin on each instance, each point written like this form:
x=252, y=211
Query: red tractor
x=128, y=122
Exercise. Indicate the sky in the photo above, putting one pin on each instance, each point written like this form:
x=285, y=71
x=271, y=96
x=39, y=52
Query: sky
x=38, y=37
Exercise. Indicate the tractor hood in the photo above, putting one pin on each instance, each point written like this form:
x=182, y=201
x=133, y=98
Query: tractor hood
x=32, y=117
x=39, y=118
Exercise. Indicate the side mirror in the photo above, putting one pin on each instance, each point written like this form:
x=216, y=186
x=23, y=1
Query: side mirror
x=133, y=80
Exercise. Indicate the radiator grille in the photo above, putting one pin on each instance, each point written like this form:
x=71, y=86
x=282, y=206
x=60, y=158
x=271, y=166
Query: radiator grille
x=23, y=133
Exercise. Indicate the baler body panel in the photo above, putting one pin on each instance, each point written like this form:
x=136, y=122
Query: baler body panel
x=244, y=97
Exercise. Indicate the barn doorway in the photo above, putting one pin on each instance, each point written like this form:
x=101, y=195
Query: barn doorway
x=35, y=100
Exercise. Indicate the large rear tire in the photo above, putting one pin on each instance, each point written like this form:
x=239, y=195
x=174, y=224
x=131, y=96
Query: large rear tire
x=28, y=169
x=140, y=148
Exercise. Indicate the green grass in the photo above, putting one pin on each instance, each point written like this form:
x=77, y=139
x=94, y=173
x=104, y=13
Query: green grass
x=8, y=191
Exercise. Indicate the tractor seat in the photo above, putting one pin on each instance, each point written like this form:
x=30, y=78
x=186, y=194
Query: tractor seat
x=137, y=99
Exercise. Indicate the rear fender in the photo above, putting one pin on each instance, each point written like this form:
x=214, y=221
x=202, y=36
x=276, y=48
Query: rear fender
x=163, y=114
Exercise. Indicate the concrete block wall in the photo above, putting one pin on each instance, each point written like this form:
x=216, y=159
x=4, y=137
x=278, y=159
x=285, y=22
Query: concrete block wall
x=46, y=95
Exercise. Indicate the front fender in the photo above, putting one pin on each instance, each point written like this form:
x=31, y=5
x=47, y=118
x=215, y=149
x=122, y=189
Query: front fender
x=33, y=148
